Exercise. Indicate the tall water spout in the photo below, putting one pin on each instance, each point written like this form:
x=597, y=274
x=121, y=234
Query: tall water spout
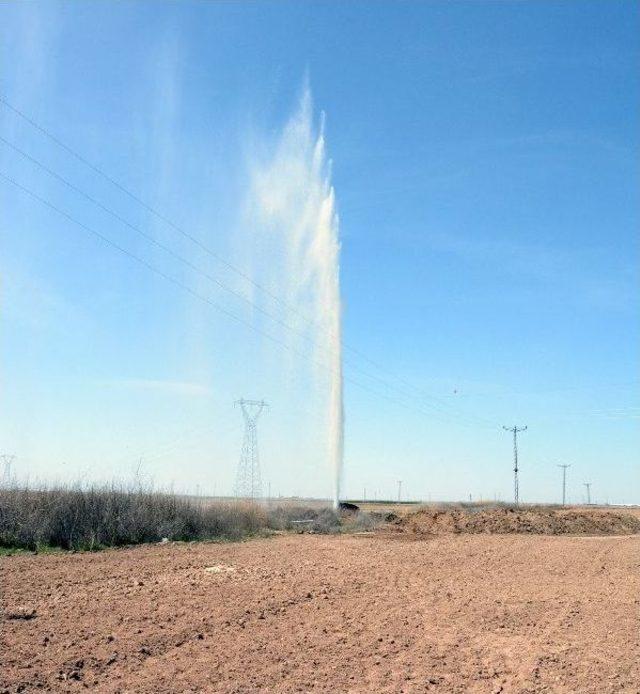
x=294, y=200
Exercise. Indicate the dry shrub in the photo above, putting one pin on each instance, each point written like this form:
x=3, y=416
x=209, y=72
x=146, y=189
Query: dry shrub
x=94, y=517
x=323, y=519
x=288, y=517
x=86, y=518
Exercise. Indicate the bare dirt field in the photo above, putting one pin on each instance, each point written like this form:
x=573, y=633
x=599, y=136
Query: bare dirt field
x=397, y=612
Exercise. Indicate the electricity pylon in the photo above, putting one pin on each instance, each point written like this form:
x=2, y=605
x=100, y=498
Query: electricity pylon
x=7, y=461
x=564, y=482
x=248, y=480
x=516, y=431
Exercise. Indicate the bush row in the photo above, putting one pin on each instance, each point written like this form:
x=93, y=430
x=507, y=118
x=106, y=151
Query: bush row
x=84, y=519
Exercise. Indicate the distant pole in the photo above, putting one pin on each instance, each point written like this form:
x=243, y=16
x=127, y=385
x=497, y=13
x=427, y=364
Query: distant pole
x=515, y=431
x=564, y=483
x=588, y=486
x=399, y=490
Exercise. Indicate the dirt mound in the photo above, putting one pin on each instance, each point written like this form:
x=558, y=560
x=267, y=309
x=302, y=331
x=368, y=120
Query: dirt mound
x=538, y=521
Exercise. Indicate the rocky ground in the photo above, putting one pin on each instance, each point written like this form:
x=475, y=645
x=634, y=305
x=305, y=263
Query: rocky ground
x=390, y=612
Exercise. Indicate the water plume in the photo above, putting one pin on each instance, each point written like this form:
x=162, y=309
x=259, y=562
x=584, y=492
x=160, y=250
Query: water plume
x=293, y=201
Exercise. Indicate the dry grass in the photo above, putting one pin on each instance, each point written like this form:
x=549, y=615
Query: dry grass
x=94, y=517
x=89, y=518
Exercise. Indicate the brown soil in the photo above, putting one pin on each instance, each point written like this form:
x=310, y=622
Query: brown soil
x=303, y=613
x=534, y=520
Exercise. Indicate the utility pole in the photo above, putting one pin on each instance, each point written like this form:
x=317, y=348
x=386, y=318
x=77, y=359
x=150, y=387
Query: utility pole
x=515, y=430
x=564, y=483
x=248, y=481
x=399, y=490
x=588, y=486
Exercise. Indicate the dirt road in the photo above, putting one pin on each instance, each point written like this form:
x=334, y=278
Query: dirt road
x=452, y=613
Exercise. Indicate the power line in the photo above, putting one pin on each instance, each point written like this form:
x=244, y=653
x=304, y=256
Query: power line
x=180, y=443
x=128, y=253
x=163, y=218
x=153, y=240
x=188, y=263
x=516, y=431
x=472, y=418
x=148, y=265
x=192, y=292
x=199, y=296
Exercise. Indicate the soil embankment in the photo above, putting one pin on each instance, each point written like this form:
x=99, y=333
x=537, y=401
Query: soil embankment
x=532, y=520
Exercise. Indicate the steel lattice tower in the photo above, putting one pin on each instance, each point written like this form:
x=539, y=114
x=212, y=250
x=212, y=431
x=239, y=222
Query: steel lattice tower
x=248, y=480
x=6, y=460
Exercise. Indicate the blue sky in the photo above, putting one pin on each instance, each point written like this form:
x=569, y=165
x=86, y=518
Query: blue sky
x=486, y=174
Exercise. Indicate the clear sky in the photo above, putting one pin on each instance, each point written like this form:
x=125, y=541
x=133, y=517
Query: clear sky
x=486, y=171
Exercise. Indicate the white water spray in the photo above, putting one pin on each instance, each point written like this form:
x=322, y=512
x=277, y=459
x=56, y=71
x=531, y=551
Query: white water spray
x=294, y=200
